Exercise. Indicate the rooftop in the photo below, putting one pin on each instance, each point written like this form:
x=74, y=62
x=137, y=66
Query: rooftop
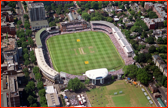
x=35, y=5
x=37, y=36
x=8, y=45
x=39, y=23
x=43, y=65
x=52, y=100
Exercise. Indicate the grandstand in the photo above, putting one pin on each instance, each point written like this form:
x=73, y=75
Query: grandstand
x=73, y=26
x=43, y=56
x=112, y=30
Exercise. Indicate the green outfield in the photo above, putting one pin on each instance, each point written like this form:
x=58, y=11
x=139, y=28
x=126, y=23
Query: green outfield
x=131, y=96
x=70, y=51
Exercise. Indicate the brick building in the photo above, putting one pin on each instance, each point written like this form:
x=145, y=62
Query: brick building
x=154, y=23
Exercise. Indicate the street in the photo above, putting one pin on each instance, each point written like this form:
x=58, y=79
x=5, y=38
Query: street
x=20, y=12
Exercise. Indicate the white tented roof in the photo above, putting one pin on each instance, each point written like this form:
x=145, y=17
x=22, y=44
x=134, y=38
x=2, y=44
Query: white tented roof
x=97, y=73
x=49, y=89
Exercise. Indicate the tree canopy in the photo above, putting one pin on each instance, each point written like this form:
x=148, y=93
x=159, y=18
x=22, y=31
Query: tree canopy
x=12, y=4
x=85, y=16
x=40, y=85
x=130, y=71
x=35, y=69
x=41, y=92
x=143, y=76
x=30, y=86
x=75, y=84
x=150, y=40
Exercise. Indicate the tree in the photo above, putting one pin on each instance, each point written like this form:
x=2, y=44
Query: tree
x=165, y=23
x=112, y=77
x=49, y=19
x=35, y=70
x=38, y=76
x=115, y=3
x=41, y=92
x=136, y=29
x=109, y=19
x=27, y=75
x=52, y=24
x=31, y=53
x=30, y=41
x=122, y=7
x=57, y=20
x=30, y=87
x=150, y=40
x=105, y=3
x=26, y=62
x=34, y=105
x=100, y=4
x=58, y=11
x=26, y=25
x=94, y=5
x=25, y=70
x=131, y=71
x=86, y=16
x=25, y=16
x=43, y=100
x=26, y=57
x=25, y=7
x=48, y=8
x=144, y=35
x=28, y=32
x=19, y=43
x=160, y=40
x=165, y=40
x=25, y=50
x=33, y=59
x=163, y=49
x=165, y=84
x=87, y=81
x=12, y=4
x=79, y=11
x=19, y=22
x=152, y=15
x=75, y=84
x=152, y=49
x=143, y=76
x=31, y=99
x=40, y=85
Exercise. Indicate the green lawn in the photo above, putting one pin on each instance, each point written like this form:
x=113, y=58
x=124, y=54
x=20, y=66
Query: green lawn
x=131, y=96
x=69, y=56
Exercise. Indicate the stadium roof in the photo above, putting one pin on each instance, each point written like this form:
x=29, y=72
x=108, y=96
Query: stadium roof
x=115, y=29
x=128, y=48
x=43, y=65
x=119, y=35
x=97, y=73
x=104, y=22
x=124, y=42
x=37, y=36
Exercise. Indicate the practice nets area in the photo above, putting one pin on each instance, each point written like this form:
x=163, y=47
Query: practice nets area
x=76, y=53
